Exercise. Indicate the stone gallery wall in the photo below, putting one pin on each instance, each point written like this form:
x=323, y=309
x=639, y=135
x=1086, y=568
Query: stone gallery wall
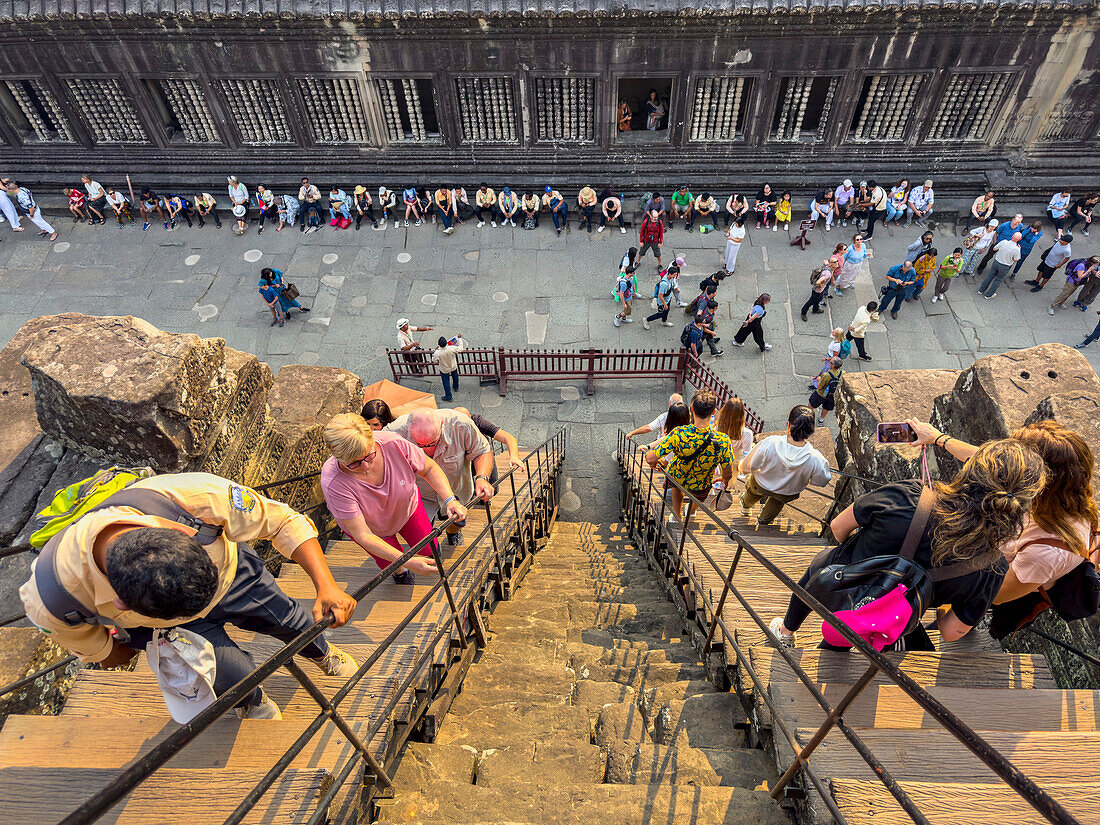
x=995, y=396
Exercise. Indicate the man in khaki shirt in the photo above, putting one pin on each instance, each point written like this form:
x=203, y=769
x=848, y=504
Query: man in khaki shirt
x=586, y=200
x=486, y=199
x=142, y=572
x=460, y=450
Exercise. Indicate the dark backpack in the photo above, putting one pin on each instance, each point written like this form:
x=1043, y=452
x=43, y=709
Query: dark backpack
x=843, y=586
x=685, y=336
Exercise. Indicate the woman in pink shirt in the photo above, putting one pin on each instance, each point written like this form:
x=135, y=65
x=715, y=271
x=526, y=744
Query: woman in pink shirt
x=370, y=488
x=1058, y=534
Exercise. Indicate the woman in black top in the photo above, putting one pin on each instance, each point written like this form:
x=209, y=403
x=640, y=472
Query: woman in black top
x=974, y=516
x=765, y=205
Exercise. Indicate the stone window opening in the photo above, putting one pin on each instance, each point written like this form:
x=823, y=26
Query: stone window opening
x=804, y=108
x=257, y=110
x=408, y=108
x=636, y=98
x=968, y=105
x=334, y=109
x=34, y=113
x=885, y=107
x=720, y=108
x=486, y=109
x=181, y=108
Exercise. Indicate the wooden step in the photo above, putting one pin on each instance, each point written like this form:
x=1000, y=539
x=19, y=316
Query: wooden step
x=888, y=706
x=981, y=670
x=869, y=803
x=251, y=744
x=937, y=756
x=122, y=694
x=44, y=795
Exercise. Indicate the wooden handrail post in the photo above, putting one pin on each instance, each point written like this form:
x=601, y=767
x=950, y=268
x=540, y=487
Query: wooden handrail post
x=502, y=373
x=591, y=387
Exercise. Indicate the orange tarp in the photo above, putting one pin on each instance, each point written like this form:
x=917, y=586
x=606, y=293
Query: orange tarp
x=400, y=399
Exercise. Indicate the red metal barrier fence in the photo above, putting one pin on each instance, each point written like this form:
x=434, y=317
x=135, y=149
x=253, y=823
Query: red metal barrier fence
x=504, y=365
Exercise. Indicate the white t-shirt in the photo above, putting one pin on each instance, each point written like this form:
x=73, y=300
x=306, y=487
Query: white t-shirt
x=657, y=425
x=1008, y=252
x=1057, y=255
x=116, y=199
x=94, y=190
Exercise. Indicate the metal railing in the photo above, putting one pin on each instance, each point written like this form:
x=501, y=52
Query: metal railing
x=504, y=365
x=542, y=466
x=638, y=511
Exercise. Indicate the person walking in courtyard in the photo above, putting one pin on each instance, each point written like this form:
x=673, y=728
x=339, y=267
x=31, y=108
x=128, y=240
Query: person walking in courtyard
x=780, y=467
x=26, y=202
x=662, y=296
x=271, y=294
x=753, y=324
x=446, y=355
x=7, y=208
x=852, y=264
x=857, y=330
x=918, y=247
x=1004, y=232
x=274, y=277
x=624, y=291
x=1077, y=273
x=824, y=392
x=818, y=287
x=949, y=268
x=735, y=237
x=1029, y=237
x=898, y=280
x=1092, y=336
x=650, y=235
x=1053, y=259
x=1006, y=254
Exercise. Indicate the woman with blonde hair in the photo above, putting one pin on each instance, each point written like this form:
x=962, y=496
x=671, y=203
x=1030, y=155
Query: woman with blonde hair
x=731, y=421
x=975, y=517
x=370, y=488
x=1058, y=535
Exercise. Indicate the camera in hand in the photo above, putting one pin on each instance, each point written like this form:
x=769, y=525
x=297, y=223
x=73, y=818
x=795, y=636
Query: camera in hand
x=896, y=433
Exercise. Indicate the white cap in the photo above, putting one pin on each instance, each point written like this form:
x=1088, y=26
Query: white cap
x=992, y=222
x=232, y=178
x=381, y=191
x=847, y=182
x=928, y=183
x=401, y=322
x=183, y=662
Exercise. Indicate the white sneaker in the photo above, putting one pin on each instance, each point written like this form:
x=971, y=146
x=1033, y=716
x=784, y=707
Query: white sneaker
x=512, y=221
x=599, y=229
x=775, y=228
x=337, y=663
x=767, y=346
x=775, y=627
x=828, y=228
x=667, y=324
x=645, y=323
x=494, y=224
x=448, y=230
x=628, y=320
x=1050, y=310
x=623, y=230
x=481, y=224
x=617, y=321
x=934, y=299
x=845, y=223
x=406, y=221
x=267, y=709
x=419, y=221
x=681, y=303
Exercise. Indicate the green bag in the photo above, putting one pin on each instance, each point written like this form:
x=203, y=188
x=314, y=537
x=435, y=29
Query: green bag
x=71, y=503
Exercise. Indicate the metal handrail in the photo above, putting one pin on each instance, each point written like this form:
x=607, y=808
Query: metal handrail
x=1035, y=796
x=143, y=767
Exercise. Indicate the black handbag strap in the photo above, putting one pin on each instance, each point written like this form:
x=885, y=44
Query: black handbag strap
x=918, y=524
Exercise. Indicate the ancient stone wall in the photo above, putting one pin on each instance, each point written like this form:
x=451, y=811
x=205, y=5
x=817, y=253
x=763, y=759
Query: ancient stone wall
x=990, y=399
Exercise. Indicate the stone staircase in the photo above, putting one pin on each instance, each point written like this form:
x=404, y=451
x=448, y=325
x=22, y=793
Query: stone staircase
x=588, y=704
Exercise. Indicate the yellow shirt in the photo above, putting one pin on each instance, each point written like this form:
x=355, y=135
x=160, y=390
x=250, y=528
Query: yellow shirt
x=244, y=515
x=486, y=198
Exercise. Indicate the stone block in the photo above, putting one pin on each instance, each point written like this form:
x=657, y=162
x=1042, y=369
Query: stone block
x=1080, y=412
x=591, y=695
x=120, y=388
x=705, y=721
x=25, y=650
x=422, y=764
x=864, y=400
x=554, y=764
x=242, y=422
x=618, y=722
x=22, y=480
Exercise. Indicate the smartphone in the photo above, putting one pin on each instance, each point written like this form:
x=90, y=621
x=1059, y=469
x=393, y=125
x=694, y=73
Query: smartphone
x=897, y=433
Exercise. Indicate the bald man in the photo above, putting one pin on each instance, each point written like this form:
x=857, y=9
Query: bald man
x=461, y=451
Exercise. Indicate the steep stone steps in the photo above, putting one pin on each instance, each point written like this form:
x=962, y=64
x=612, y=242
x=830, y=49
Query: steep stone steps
x=587, y=706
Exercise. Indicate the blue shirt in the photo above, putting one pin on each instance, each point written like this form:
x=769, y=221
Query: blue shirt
x=1007, y=230
x=696, y=336
x=276, y=280
x=270, y=293
x=905, y=278
x=1028, y=241
x=855, y=256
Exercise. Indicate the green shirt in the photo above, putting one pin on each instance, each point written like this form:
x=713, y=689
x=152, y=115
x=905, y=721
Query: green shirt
x=949, y=268
x=698, y=473
x=686, y=199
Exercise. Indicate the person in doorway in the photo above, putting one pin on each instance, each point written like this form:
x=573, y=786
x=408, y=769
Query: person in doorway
x=459, y=449
x=1051, y=261
x=949, y=268
x=857, y=330
x=650, y=235
x=611, y=210
x=586, y=202
x=690, y=455
x=206, y=206
x=133, y=571
x=778, y=468
x=370, y=487
x=753, y=324
x=898, y=280
x=446, y=355
x=655, y=111
x=624, y=116
x=735, y=237
x=975, y=517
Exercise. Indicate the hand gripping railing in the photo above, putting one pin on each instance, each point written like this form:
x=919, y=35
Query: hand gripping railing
x=548, y=460
x=638, y=501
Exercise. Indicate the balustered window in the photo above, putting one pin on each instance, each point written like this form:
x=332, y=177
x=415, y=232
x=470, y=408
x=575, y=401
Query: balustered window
x=334, y=109
x=565, y=109
x=486, y=109
x=184, y=114
x=885, y=106
x=34, y=113
x=805, y=105
x=108, y=110
x=408, y=107
x=968, y=106
x=257, y=110
x=720, y=108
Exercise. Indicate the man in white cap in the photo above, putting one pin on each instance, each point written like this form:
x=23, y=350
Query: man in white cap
x=920, y=203
x=238, y=194
x=842, y=200
x=407, y=343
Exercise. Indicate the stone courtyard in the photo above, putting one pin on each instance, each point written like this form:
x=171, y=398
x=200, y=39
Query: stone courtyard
x=508, y=287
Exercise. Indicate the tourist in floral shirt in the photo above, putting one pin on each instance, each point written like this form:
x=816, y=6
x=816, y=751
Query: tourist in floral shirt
x=690, y=454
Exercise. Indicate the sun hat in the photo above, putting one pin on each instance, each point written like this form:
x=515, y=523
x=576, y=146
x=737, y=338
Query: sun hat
x=402, y=322
x=239, y=210
x=183, y=662
x=993, y=222
x=359, y=190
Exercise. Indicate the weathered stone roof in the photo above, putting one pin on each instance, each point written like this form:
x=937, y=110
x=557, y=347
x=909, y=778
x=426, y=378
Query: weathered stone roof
x=90, y=9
